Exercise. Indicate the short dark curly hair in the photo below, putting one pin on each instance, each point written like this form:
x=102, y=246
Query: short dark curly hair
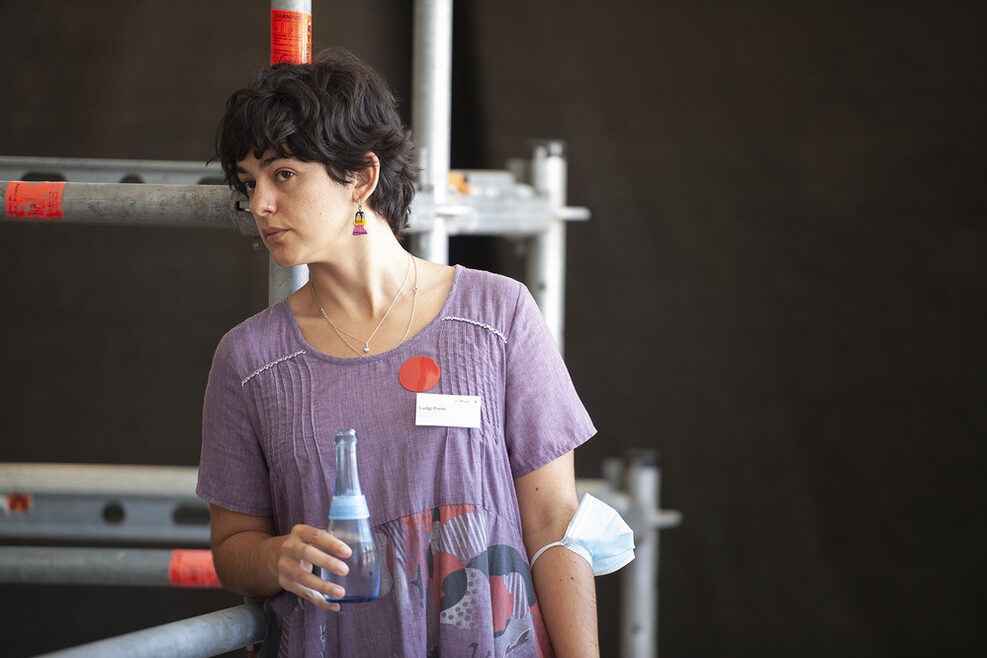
x=335, y=110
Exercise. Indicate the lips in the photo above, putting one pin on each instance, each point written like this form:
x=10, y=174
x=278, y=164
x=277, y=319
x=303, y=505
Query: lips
x=273, y=234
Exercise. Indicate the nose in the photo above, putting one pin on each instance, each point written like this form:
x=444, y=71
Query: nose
x=261, y=201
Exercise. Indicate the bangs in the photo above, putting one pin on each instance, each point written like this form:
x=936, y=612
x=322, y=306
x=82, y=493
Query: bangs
x=283, y=123
x=255, y=125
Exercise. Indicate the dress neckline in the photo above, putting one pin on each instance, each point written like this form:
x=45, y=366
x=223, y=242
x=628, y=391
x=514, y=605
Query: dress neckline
x=284, y=307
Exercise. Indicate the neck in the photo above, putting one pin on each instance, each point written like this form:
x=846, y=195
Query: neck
x=363, y=282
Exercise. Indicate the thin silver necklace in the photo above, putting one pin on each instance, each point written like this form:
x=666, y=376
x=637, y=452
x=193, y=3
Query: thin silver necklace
x=414, y=301
x=366, y=343
x=411, y=318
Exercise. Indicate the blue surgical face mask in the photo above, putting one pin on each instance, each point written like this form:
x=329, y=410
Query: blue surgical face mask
x=598, y=535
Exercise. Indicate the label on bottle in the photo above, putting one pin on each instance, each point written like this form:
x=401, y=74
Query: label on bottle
x=349, y=507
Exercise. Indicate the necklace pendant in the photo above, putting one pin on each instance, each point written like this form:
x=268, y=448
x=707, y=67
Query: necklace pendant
x=366, y=348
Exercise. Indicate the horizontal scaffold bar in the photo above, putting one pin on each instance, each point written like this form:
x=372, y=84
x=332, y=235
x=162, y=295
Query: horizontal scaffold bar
x=115, y=479
x=40, y=502
x=206, y=635
x=203, y=205
x=151, y=567
x=101, y=170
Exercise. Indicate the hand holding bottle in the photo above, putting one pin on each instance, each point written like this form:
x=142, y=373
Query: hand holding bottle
x=349, y=521
x=302, y=549
x=338, y=564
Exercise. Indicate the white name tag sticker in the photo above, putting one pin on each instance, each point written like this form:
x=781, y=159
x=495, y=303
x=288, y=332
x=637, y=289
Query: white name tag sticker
x=447, y=410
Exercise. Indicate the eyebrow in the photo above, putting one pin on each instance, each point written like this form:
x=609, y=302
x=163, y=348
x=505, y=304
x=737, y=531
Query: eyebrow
x=264, y=164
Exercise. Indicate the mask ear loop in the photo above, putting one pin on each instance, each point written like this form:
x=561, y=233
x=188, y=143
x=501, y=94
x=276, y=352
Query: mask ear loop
x=542, y=550
x=559, y=543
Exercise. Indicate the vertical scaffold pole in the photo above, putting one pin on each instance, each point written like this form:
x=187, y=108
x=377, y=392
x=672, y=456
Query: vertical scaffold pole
x=291, y=41
x=431, y=121
x=639, y=579
x=546, y=258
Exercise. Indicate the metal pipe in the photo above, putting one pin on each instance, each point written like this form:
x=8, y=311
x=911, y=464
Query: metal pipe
x=98, y=479
x=301, y=6
x=206, y=635
x=282, y=281
x=153, y=567
x=547, y=257
x=291, y=41
x=639, y=579
x=101, y=170
x=433, y=244
x=203, y=205
x=431, y=110
x=41, y=502
x=119, y=519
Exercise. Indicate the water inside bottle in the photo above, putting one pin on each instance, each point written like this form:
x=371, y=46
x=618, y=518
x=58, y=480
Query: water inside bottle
x=362, y=583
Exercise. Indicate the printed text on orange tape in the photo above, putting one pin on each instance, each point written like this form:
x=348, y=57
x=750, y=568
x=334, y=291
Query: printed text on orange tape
x=34, y=200
x=291, y=37
x=192, y=568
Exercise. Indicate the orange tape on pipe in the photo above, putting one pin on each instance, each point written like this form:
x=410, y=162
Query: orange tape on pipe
x=291, y=37
x=192, y=568
x=34, y=200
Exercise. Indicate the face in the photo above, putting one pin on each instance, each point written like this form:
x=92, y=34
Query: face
x=302, y=214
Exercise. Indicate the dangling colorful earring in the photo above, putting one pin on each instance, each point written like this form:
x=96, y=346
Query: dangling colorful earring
x=359, y=221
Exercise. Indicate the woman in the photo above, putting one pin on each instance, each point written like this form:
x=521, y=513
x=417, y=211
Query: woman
x=321, y=153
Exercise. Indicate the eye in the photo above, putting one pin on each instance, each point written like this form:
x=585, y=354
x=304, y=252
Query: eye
x=283, y=174
x=248, y=185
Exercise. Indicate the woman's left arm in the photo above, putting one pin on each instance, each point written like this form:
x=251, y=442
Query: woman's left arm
x=563, y=580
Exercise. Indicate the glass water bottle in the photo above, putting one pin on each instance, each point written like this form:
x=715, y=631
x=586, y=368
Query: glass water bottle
x=349, y=521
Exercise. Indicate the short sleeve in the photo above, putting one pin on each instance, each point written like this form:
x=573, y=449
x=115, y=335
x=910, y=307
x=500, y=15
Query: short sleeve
x=544, y=417
x=233, y=472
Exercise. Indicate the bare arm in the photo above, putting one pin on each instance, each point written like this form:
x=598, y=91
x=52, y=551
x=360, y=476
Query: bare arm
x=251, y=560
x=563, y=580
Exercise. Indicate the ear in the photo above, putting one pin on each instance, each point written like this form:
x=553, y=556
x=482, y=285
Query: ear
x=365, y=180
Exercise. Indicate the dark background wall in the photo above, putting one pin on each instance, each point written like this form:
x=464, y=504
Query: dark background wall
x=782, y=288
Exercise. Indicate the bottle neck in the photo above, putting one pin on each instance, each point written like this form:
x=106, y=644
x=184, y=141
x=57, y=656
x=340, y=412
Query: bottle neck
x=347, y=475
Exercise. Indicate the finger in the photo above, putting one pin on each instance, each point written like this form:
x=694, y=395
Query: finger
x=305, y=534
x=292, y=570
x=330, y=544
x=314, y=556
x=293, y=574
x=314, y=596
x=315, y=582
x=302, y=534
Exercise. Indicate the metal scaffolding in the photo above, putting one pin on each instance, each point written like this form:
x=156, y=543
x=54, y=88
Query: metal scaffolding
x=481, y=202
x=42, y=501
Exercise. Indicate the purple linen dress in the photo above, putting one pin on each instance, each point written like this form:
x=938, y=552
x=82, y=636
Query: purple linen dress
x=455, y=579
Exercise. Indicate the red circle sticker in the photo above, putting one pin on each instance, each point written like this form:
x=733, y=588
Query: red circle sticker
x=419, y=373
